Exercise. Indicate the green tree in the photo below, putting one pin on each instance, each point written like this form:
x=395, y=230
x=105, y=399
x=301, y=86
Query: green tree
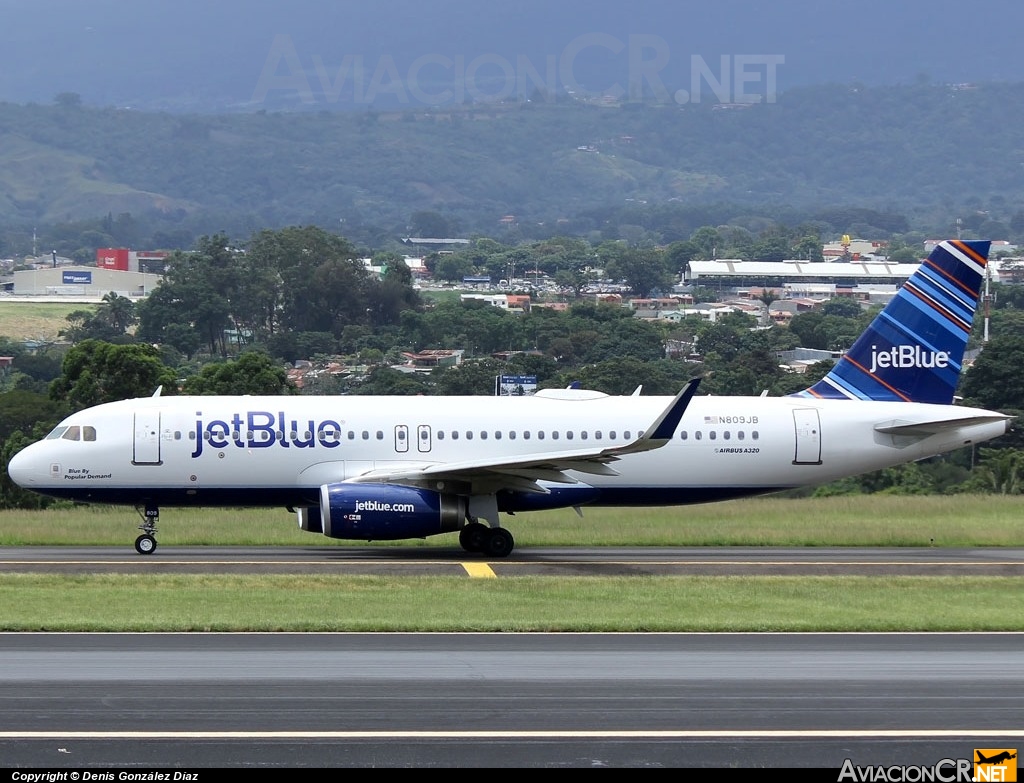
x=996, y=379
x=253, y=372
x=197, y=291
x=94, y=372
x=643, y=270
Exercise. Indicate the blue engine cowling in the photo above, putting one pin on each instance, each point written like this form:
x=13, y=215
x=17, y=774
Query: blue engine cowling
x=383, y=512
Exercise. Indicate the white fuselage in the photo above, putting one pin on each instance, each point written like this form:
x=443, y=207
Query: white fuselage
x=279, y=451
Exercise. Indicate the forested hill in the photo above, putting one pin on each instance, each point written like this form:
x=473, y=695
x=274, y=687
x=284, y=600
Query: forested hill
x=910, y=148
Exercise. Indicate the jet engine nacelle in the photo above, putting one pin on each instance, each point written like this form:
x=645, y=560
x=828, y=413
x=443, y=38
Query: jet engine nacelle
x=383, y=512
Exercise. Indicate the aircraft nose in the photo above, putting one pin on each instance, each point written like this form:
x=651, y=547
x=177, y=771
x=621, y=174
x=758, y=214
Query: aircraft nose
x=22, y=468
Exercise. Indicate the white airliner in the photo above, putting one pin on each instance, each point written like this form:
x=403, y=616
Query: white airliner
x=387, y=468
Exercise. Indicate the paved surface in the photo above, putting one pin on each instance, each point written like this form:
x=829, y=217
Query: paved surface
x=263, y=701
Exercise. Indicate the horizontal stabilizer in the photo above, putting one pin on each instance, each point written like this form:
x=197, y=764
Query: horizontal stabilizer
x=926, y=428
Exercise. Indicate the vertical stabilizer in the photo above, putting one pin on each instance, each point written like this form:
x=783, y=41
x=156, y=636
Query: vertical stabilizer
x=913, y=351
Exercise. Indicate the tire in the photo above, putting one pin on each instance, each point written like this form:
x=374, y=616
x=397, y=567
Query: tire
x=499, y=543
x=473, y=537
x=145, y=545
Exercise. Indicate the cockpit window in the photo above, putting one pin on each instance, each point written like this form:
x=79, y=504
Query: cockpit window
x=56, y=433
x=72, y=433
x=88, y=433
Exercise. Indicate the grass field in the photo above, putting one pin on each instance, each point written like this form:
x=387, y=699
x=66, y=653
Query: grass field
x=161, y=601
x=42, y=321
x=960, y=521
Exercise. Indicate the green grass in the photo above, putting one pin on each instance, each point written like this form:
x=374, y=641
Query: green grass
x=959, y=521
x=222, y=602
x=156, y=602
x=20, y=321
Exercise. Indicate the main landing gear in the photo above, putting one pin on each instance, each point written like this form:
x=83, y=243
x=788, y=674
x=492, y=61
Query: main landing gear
x=477, y=538
x=489, y=540
x=146, y=543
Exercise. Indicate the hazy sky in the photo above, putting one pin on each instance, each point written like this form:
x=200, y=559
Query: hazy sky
x=213, y=54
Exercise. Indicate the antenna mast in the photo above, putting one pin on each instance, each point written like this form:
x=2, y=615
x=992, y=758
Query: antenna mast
x=987, y=297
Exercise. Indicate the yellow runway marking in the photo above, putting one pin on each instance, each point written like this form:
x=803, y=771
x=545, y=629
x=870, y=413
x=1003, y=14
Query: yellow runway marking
x=479, y=570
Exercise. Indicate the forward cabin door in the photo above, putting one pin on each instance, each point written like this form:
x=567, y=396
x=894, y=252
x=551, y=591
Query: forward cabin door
x=147, y=438
x=808, y=436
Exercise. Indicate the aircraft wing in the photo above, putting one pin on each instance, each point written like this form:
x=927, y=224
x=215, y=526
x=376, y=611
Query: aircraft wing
x=523, y=471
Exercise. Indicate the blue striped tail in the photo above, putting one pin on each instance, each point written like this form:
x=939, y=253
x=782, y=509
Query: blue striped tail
x=913, y=351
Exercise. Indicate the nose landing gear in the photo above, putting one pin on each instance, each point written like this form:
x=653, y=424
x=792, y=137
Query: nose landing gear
x=146, y=543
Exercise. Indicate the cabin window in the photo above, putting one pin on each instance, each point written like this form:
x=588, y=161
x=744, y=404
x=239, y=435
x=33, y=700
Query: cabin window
x=697, y=435
x=366, y=435
x=469, y=434
x=554, y=435
x=626, y=435
x=483, y=434
x=526, y=434
x=440, y=434
x=455, y=434
x=611, y=435
x=351, y=435
x=583, y=435
x=380, y=435
x=540, y=434
x=740, y=434
x=597, y=435
x=726, y=435
x=754, y=435
x=497, y=434
x=512, y=435
x=712, y=435
x=683, y=435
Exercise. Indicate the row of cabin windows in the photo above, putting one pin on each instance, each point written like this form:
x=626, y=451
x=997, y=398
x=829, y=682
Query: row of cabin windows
x=88, y=433
x=335, y=435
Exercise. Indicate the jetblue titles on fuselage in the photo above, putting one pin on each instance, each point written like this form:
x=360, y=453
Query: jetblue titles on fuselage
x=263, y=429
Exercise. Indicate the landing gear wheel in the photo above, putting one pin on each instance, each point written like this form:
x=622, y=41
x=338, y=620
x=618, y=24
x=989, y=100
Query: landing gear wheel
x=146, y=543
x=499, y=543
x=473, y=536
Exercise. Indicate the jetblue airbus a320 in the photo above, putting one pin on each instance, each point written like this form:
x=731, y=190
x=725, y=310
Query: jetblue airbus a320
x=388, y=468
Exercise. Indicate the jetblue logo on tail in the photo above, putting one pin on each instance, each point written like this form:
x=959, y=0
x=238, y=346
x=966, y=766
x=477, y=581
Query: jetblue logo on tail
x=901, y=356
x=913, y=350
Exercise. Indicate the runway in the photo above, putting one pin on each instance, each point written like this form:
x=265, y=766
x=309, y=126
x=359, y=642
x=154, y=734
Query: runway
x=432, y=560
x=406, y=700
x=257, y=701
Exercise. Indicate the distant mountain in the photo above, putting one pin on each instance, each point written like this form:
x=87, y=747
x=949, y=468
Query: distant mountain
x=912, y=147
x=231, y=55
